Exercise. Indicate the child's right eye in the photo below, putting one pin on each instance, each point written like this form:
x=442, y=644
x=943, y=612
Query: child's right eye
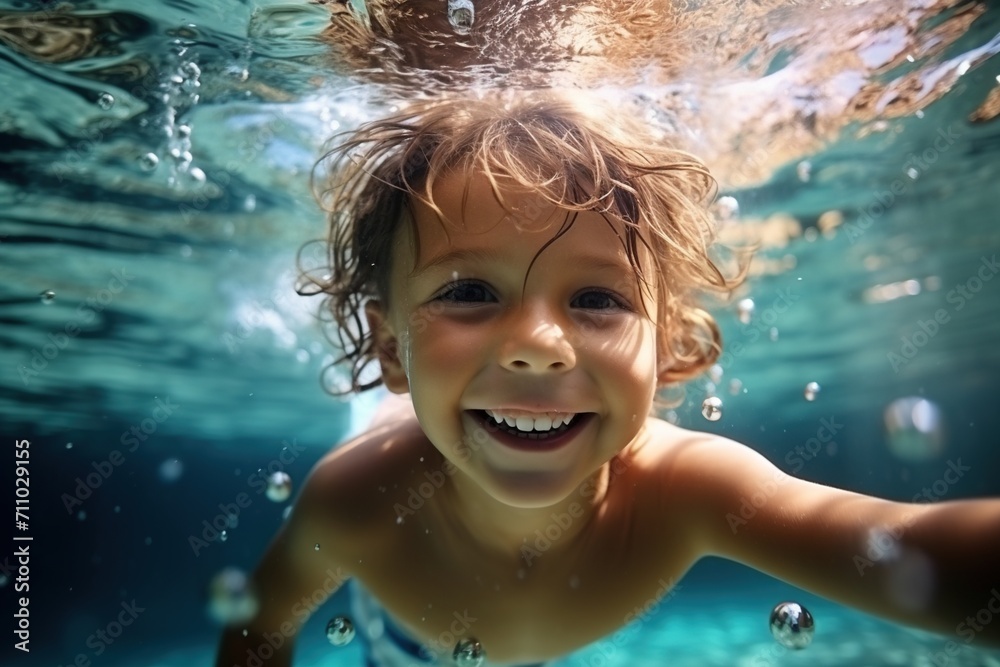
x=465, y=292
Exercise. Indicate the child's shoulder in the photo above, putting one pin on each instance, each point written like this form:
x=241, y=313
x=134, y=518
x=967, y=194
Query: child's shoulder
x=354, y=483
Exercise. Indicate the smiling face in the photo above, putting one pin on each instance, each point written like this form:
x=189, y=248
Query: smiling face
x=528, y=368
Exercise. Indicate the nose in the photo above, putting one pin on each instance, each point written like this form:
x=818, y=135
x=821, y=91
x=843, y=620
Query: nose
x=535, y=342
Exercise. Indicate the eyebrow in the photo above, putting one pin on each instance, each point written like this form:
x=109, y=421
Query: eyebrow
x=488, y=255
x=459, y=255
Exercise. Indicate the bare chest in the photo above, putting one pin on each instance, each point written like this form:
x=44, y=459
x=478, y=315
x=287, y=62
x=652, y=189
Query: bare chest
x=533, y=606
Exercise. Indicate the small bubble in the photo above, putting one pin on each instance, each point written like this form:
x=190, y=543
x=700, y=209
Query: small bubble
x=231, y=598
x=47, y=297
x=149, y=161
x=340, y=631
x=715, y=373
x=399, y=521
x=223, y=536
x=197, y=174
x=171, y=470
x=468, y=653
x=81, y=515
x=734, y=386
x=773, y=334
x=744, y=310
x=913, y=173
x=245, y=633
x=811, y=390
x=105, y=101
x=279, y=487
x=711, y=408
x=183, y=131
x=727, y=208
x=4, y=579
x=69, y=445
x=118, y=509
x=804, y=171
x=792, y=625
x=316, y=548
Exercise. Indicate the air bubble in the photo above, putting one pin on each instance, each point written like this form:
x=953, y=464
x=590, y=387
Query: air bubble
x=744, y=310
x=469, y=653
x=461, y=16
x=171, y=470
x=792, y=625
x=105, y=101
x=711, y=408
x=340, y=631
x=914, y=429
x=811, y=390
x=47, y=297
x=804, y=171
x=149, y=161
x=231, y=598
x=279, y=487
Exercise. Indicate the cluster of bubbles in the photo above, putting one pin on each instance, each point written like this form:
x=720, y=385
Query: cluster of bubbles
x=792, y=625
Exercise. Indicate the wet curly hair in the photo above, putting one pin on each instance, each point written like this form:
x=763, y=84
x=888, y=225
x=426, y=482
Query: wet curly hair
x=573, y=152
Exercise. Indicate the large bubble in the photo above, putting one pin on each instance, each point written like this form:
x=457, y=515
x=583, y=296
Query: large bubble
x=914, y=429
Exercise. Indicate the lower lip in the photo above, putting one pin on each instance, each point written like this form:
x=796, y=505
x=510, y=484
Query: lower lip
x=548, y=444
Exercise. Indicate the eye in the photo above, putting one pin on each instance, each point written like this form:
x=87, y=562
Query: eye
x=465, y=292
x=595, y=299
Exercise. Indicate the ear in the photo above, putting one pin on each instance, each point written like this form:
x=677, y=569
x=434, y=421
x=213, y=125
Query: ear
x=386, y=348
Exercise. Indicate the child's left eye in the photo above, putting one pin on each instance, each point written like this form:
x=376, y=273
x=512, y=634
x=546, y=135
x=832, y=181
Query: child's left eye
x=599, y=300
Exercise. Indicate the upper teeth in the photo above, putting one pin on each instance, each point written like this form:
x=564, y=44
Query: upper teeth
x=521, y=422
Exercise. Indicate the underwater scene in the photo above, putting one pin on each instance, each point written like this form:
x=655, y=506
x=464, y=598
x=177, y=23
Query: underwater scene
x=165, y=388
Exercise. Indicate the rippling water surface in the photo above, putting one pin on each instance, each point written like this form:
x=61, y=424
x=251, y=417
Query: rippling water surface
x=154, y=191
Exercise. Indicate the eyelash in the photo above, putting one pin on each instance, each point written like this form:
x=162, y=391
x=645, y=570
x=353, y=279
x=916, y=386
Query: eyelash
x=446, y=294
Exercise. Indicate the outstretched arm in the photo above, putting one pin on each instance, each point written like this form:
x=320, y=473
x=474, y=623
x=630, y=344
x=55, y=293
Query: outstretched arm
x=935, y=566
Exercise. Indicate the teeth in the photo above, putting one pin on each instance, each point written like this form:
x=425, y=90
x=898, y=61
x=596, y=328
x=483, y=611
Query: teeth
x=545, y=422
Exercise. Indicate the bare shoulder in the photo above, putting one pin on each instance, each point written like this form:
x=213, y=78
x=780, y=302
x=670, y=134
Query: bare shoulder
x=705, y=478
x=348, y=487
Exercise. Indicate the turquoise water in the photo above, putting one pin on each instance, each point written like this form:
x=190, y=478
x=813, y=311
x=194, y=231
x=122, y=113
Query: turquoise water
x=169, y=331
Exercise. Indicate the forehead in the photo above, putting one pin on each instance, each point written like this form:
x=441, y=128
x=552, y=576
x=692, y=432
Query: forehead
x=501, y=217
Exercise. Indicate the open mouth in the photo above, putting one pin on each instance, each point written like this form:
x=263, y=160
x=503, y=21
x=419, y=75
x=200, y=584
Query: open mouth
x=534, y=429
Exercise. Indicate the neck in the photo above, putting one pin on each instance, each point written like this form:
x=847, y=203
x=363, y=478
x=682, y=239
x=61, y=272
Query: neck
x=520, y=535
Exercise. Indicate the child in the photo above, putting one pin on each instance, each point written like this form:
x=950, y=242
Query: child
x=527, y=268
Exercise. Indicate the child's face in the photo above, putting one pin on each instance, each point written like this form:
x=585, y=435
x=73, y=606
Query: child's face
x=476, y=331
